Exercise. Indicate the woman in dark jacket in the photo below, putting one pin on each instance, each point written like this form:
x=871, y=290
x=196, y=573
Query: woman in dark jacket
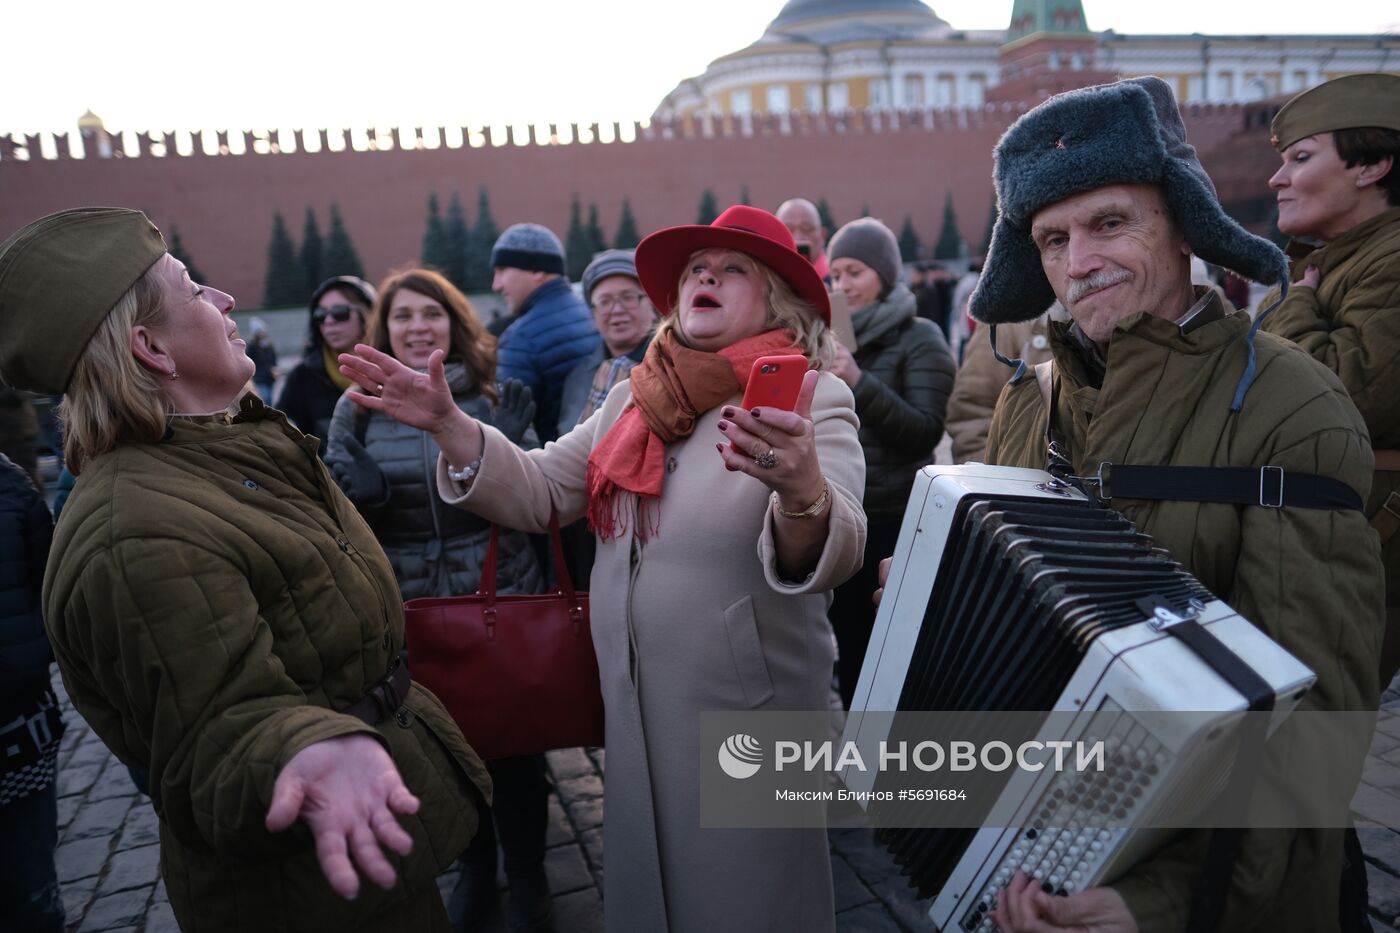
x=388, y=470
x=30, y=725
x=901, y=374
x=339, y=308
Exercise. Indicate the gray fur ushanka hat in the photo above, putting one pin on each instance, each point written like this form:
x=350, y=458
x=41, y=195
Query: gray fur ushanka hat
x=1123, y=133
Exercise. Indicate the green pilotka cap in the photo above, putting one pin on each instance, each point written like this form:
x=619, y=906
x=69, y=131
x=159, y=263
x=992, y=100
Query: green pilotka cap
x=60, y=276
x=1343, y=103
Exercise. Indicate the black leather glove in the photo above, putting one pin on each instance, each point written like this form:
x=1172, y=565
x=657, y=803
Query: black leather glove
x=360, y=477
x=515, y=412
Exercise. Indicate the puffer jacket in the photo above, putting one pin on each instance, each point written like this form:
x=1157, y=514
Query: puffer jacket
x=1351, y=324
x=551, y=334
x=1165, y=400
x=906, y=373
x=212, y=600
x=982, y=376
x=435, y=550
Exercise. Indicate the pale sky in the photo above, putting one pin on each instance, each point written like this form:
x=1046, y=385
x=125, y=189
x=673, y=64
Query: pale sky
x=164, y=65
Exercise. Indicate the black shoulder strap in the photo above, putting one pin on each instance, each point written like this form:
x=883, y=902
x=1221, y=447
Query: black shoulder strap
x=1268, y=486
x=1212, y=887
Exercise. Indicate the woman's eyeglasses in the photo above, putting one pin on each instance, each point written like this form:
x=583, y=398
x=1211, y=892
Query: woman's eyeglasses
x=338, y=313
x=630, y=301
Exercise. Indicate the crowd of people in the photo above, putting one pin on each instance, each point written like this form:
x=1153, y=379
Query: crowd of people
x=224, y=593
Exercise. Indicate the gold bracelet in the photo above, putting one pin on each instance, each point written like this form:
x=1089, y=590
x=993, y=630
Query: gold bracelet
x=811, y=511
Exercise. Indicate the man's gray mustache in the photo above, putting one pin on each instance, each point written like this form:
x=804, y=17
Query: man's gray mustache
x=1081, y=287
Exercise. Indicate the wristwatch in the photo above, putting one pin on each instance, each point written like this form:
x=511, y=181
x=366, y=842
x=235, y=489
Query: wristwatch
x=465, y=475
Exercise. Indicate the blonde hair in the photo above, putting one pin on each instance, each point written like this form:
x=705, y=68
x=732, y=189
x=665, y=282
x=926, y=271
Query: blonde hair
x=785, y=310
x=112, y=399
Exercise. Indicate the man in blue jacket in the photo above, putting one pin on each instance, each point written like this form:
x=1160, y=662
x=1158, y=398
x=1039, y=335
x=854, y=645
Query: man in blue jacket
x=552, y=329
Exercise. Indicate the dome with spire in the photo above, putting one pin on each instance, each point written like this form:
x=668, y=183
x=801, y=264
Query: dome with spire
x=90, y=121
x=801, y=11
x=830, y=21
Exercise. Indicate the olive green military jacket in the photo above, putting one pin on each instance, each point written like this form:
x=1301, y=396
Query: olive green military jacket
x=1309, y=578
x=1350, y=323
x=211, y=600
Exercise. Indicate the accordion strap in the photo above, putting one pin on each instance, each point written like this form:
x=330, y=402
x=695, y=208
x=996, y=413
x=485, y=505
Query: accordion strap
x=1268, y=486
x=1218, y=868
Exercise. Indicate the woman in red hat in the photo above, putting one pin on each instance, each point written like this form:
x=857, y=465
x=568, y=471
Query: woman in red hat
x=721, y=533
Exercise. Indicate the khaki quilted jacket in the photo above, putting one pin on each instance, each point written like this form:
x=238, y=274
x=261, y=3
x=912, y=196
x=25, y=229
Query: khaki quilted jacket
x=1165, y=399
x=212, y=599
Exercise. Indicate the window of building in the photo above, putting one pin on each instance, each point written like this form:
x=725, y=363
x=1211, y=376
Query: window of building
x=1052, y=61
x=1225, y=86
x=1300, y=81
x=976, y=90
x=1076, y=61
x=814, y=98
x=1195, y=87
x=913, y=90
x=879, y=93
x=945, y=91
x=838, y=96
x=778, y=98
x=740, y=102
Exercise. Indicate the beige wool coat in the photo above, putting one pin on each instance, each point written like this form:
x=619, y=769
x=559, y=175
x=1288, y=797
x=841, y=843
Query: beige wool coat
x=694, y=619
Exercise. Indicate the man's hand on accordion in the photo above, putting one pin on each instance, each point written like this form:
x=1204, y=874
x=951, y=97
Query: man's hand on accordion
x=1025, y=908
x=884, y=575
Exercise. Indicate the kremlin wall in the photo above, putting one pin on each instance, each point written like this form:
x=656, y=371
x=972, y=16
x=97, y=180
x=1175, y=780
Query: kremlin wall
x=894, y=163
x=878, y=125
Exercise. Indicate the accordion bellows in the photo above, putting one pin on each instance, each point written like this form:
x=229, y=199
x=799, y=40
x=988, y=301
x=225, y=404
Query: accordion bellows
x=1009, y=592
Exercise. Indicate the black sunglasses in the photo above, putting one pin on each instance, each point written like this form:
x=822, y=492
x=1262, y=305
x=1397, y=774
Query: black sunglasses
x=338, y=313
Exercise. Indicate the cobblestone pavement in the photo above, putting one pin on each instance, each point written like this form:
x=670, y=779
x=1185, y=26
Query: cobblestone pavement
x=107, y=854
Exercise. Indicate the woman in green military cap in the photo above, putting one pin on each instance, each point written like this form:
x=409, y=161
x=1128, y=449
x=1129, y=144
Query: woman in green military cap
x=1339, y=198
x=220, y=613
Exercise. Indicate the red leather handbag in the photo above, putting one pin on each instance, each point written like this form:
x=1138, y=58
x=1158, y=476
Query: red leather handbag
x=518, y=673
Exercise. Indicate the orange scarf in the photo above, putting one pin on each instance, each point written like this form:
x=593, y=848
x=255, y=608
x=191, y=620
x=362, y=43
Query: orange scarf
x=671, y=387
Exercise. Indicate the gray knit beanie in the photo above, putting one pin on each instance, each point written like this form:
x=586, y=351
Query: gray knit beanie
x=605, y=265
x=872, y=243
x=530, y=247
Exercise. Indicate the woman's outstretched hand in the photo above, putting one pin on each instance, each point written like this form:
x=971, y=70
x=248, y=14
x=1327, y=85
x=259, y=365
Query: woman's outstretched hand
x=349, y=794
x=421, y=400
x=786, y=440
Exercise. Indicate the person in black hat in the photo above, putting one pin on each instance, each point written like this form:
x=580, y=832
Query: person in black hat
x=551, y=331
x=339, y=308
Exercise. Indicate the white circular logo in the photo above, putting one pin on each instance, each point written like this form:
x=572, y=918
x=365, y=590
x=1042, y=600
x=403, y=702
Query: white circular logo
x=741, y=756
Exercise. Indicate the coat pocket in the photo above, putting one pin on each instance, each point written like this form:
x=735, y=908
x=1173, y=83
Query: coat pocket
x=742, y=629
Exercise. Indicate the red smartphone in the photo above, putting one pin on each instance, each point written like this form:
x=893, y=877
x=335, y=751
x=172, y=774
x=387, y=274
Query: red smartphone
x=775, y=382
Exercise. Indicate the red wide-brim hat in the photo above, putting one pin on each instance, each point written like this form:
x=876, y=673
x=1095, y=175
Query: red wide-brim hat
x=661, y=256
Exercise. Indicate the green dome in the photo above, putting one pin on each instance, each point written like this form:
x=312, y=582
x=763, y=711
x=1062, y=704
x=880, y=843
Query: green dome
x=800, y=11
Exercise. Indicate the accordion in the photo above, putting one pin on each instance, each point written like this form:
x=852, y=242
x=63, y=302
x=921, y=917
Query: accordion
x=1010, y=591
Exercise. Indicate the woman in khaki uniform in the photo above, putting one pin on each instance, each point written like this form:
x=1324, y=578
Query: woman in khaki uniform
x=221, y=615
x=1339, y=186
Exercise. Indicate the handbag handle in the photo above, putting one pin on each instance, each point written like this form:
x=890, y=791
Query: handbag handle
x=487, y=586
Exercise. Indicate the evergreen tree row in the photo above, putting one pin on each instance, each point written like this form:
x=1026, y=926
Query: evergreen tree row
x=457, y=249
x=292, y=273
